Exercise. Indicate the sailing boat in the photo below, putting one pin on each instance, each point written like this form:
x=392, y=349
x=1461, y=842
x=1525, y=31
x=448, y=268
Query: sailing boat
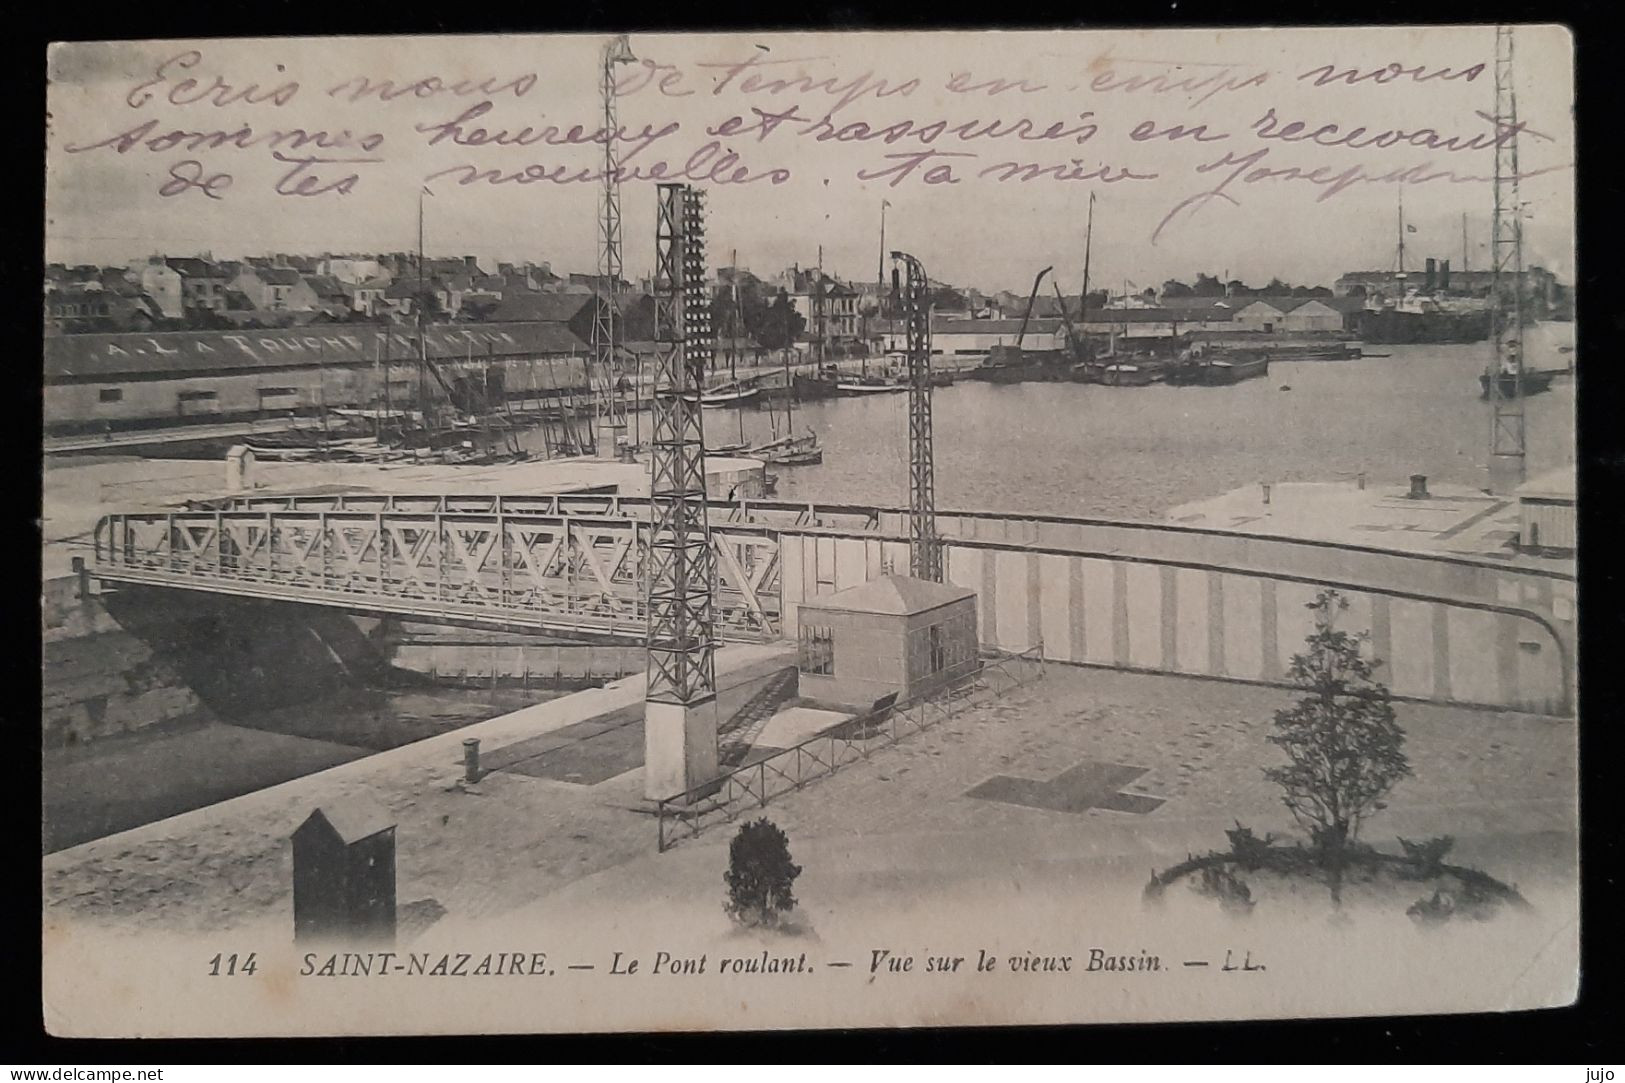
x=734, y=392
x=1084, y=368
x=790, y=449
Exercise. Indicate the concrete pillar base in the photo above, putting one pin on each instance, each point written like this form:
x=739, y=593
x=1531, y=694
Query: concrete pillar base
x=610, y=439
x=679, y=746
x=1506, y=473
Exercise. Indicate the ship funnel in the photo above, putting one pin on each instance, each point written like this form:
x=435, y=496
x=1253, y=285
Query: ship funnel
x=1432, y=274
x=1444, y=275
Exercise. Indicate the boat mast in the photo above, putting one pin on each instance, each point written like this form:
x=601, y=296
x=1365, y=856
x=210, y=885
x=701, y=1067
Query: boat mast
x=321, y=361
x=733, y=323
x=818, y=308
x=417, y=311
x=383, y=363
x=1088, y=244
x=1401, y=230
x=789, y=396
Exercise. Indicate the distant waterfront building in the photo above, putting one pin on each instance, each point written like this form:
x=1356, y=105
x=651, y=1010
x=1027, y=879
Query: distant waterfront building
x=367, y=297
x=974, y=338
x=203, y=282
x=1546, y=512
x=91, y=307
x=1292, y=315
x=275, y=289
x=353, y=270
x=840, y=303
x=163, y=285
x=97, y=382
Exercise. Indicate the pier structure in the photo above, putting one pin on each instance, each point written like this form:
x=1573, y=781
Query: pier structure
x=1200, y=601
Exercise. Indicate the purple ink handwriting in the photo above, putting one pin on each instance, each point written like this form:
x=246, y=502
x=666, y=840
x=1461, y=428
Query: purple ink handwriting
x=710, y=164
x=1245, y=169
x=1327, y=74
x=171, y=84
x=188, y=175
x=461, y=131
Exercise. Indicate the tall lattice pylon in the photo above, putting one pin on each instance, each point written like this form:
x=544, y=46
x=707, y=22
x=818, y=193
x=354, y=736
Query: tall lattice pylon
x=913, y=301
x=1504, y=378
x=608, y=374
x=680, y=723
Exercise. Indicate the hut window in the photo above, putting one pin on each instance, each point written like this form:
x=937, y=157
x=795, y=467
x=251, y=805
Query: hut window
x=197, y=396
x=817, y=650
x=939, y=653
x=111, y=394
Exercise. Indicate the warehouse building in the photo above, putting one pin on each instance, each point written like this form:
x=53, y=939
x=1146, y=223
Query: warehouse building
x=117, y=381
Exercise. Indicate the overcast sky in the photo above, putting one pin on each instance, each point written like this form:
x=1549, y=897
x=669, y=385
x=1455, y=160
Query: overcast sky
x=108, y=202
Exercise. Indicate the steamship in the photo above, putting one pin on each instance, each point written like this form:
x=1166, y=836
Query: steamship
x=1426, y=315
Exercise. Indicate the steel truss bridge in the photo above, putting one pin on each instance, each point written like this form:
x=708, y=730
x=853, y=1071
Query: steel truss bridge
x=573, y=564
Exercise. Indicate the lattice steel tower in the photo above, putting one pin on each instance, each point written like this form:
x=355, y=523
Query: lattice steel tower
x=680, y=724
x=1504, y=379
x=608, y=372
x=913, y=302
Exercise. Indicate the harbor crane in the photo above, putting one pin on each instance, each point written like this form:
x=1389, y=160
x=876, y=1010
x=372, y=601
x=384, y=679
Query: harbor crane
x=1032, y=298
x=911, y=288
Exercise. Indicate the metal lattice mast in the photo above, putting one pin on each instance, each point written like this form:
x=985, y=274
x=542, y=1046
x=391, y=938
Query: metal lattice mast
x=1504, y=383
x=606, y=360
x=925, y=554
x=681, y=640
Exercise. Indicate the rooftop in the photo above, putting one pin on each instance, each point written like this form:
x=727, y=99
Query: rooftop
x=893, y=594
x=1558, y=484
x=1452, y=520
x=88, y=357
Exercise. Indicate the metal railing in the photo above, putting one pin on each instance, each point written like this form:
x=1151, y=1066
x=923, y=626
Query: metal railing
x=505, y=569
x=752, y=785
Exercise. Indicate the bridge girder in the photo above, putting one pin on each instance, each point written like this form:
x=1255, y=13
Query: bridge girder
x=496, y=569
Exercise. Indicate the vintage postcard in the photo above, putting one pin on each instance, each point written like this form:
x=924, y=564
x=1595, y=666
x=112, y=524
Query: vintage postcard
x=558, y=533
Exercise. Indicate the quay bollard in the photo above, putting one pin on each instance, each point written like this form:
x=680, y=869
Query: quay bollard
x=1266, y=487
x=1359, y=480
x=471, y=759
x=1419, y=487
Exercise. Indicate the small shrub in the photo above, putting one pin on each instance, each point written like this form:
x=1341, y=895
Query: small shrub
x=1234, y=896
x=1425, y=860
x=760, y=874
x=1344, y=746
x=1248, y=849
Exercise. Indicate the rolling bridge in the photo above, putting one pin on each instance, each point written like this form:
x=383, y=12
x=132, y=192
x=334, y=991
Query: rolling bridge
x=1158, y=597
x=555, y=563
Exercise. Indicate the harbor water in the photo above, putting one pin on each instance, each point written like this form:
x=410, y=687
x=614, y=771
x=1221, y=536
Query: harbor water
x=1135, y=452
x=1043, y=448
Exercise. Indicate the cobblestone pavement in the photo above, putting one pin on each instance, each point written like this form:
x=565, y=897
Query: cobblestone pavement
x=1475, y=773
x=1490, y=779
